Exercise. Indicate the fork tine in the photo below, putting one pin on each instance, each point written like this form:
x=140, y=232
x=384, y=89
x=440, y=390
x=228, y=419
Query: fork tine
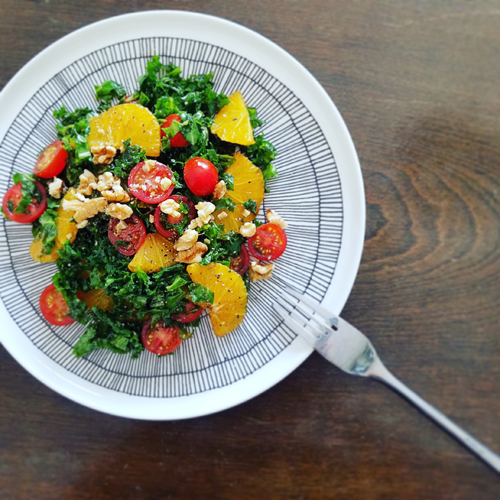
x=315, y=307
x=294, y=325
x=322, y=324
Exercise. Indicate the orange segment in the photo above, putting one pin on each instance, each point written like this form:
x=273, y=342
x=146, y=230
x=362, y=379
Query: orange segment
x=232, y=122
x=97, y=298
x=234, y=220
x=248, y=184
x=63, y=224
x=126, y=121
x=230, y=295
x=65, y=228
x=248, y=181
x=38, y=256
x=155, y=253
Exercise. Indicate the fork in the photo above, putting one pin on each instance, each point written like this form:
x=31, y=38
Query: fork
x=351, y=351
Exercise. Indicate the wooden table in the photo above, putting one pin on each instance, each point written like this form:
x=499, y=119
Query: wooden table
x=418, y=86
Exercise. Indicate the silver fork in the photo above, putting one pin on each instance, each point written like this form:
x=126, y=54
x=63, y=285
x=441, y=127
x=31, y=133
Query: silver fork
x=351, y=351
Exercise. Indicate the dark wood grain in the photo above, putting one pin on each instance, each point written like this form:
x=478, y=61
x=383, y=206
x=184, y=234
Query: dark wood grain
x=417, y=83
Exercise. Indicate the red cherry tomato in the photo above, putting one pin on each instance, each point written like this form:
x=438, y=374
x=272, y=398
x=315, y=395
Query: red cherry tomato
x=160, y=339
x=145, y=181
x=268, y=242
x=177, y=140
x=191, y=312
x=54, y=307
x=134, y=234
x=51, y=161
x=33, y=210
x=241, y=263
x=201, y=176
x=161, y=218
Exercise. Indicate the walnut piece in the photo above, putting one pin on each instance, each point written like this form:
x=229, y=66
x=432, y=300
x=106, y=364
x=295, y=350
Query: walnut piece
x=165, y=183
x=120, y=227
x=205, y=210
x=220, y=190
x=89, y=208
x=148, y=166
x=187, y=240
x=118, y=210
x=72, y=205
x=170, y=207
x=111, y=189
x=56, y=188
x=88, y=183
x=274, y=218
x=103, y=155
x=81, y=225
x=260, y=271
x=106, y=181
x=248, y=229
x=193, y=255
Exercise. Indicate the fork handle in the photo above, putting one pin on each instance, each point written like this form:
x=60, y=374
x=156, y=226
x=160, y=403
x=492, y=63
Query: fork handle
x=381, y=373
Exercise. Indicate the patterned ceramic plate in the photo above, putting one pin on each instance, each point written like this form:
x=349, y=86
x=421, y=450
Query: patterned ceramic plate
x=319, y=193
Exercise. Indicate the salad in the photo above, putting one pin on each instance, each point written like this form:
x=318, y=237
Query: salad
x=147, y=205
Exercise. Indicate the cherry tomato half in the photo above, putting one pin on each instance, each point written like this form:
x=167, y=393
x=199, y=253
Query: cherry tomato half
x=145, y=181
x=161, y=218
x=241, y=263
x=54, y=307
x=161, y=339
x=51, y=161
x=177, y=140
x=201, y=176
x=268, y=242
x=12, y=199
x=134, y=234
x=191, y=312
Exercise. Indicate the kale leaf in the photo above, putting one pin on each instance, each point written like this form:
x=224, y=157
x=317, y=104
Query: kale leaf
x=251, y=205
x=200, y=294
x=108, y=91
x=29, y=192
x=226, y=203
x=45, y=227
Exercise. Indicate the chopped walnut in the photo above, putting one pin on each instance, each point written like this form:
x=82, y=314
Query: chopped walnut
x=187, y=240
x=103, y=155
x=80, y=197
x=81, y=225
x=118, y=210
x=260, y=271
x=193, y=255
x=274, y=218
x=170, y=207
x=165, y=183
x=87, y=183
x=205, y=210
x=89, y=208
x=111, y=189
x=148, y=166
x=72, y=205
x=120, y=227
x=116, y=194
x=248, y=229
x=106, y=181
x=56, y=188
x=152, y=219
x=220, y=190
